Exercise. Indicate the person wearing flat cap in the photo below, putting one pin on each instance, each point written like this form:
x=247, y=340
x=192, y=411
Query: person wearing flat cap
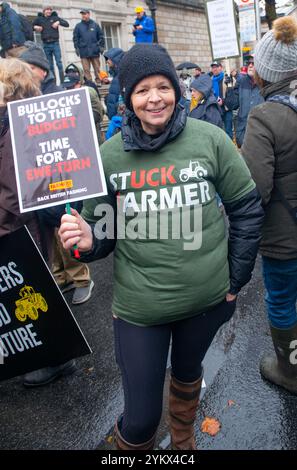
x=172, y=284
x=143, y=28
x=89, y=43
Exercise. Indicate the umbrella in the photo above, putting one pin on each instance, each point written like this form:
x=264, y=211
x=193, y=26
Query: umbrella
x=186, y=65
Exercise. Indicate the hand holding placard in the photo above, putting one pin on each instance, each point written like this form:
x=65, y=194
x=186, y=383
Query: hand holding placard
x=74, y=230
x=74, y=248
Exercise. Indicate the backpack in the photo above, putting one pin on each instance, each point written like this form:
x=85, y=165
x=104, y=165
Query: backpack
x=27, y=27
x=231, y=99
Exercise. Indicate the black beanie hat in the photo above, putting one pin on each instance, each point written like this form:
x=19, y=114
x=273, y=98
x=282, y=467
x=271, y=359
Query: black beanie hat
x=34, y=54
x=141, y=61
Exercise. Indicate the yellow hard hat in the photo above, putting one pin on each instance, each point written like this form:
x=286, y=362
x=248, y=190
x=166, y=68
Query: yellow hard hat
x=139, y=9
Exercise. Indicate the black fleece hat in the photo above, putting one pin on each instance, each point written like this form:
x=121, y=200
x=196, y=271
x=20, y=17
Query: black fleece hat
x=34, y=54
x=141, y=61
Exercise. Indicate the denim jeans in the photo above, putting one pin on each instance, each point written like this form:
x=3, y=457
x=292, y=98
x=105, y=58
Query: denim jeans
x=280, y=278
x=51, y=50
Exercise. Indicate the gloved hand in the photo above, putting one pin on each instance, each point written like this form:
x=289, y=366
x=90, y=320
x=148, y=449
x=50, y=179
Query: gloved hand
x=77, y=52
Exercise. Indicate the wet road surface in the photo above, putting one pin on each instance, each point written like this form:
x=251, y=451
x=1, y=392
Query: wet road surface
x=78, y=412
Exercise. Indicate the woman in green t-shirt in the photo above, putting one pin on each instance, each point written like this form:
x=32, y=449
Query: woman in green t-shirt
x=164, y=289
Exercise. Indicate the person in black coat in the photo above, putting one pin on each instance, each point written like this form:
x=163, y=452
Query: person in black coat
x=204, y=105
x=89, y=43
x=113, y=58
x=47, y=23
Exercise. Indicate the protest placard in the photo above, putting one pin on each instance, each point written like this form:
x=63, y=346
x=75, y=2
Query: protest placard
x=37, y=328
x=222, y=29
x=247, y=20
x=55, y=148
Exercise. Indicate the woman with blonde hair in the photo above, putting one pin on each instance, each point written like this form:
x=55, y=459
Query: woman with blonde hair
x=17, y=82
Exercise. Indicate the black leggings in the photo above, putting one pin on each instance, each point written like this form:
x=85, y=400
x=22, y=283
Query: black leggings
x=141, y=353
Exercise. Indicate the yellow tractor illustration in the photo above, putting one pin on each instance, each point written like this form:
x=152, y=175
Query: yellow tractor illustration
x=29, y=303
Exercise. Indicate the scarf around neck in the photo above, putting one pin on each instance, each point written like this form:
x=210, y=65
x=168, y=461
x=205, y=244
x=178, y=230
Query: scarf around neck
x=216, y=83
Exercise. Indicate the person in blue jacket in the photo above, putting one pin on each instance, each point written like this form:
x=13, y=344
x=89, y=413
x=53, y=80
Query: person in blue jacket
x=204, y=104
x=113, y=59
x=115, y=124
x=143, y=28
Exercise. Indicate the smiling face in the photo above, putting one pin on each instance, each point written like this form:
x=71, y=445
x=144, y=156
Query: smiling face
x=153, y=102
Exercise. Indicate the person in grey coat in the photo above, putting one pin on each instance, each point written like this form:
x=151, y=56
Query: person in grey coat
x=204, y=104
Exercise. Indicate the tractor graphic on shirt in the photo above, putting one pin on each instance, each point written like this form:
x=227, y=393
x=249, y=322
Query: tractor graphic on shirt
x=195, y=170
x=29, y=303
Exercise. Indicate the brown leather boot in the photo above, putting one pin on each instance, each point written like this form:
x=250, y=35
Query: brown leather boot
x=183, y=404
x=121, y=444
x=281, y=369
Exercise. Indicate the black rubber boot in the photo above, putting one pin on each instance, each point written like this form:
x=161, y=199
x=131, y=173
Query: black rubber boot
x=281, y=369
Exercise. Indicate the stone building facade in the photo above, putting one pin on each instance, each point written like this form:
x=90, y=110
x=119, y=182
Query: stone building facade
x=182, y=29
x=181, y=25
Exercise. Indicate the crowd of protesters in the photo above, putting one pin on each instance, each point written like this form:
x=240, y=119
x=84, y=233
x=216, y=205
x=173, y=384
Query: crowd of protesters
x=235, y=94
